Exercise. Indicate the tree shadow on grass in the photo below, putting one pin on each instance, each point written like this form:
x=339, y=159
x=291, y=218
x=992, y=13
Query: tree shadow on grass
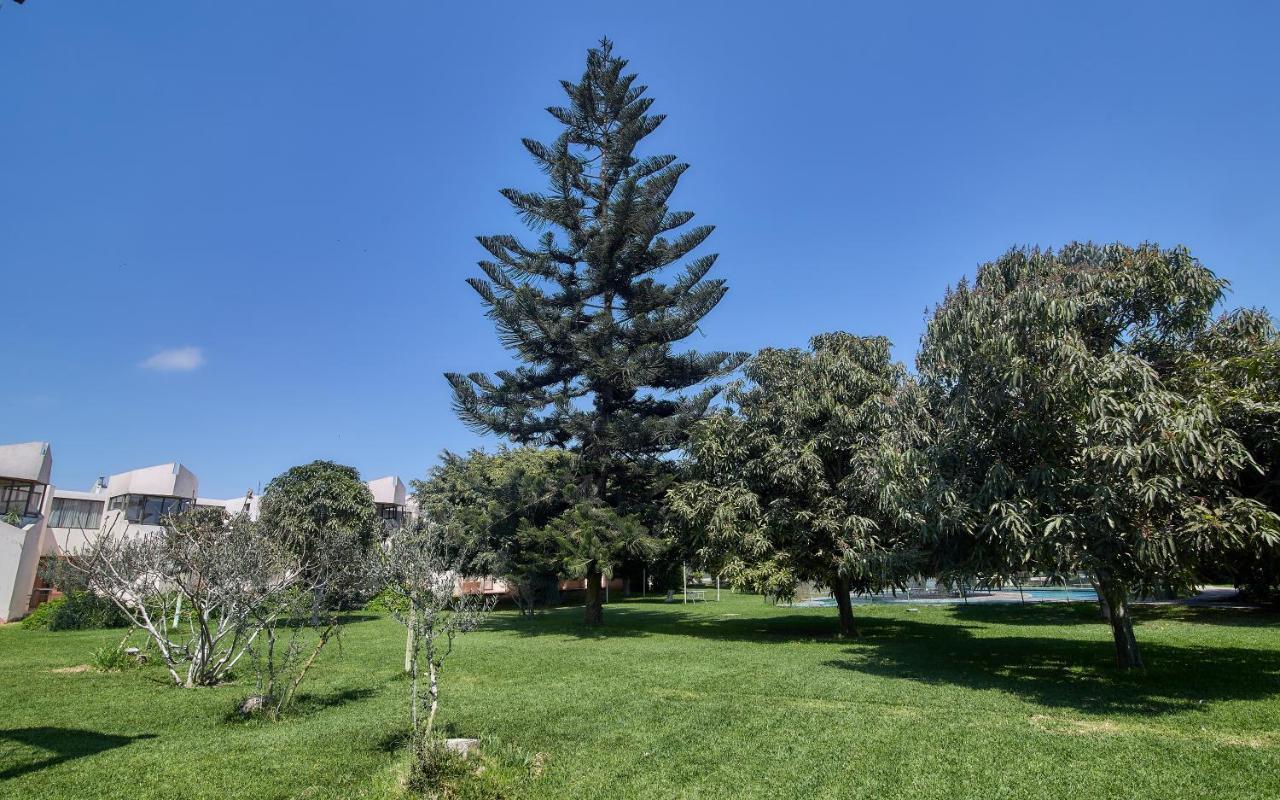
x=1211, y=614
x=968, y=651
x=1054, y=613
x=641, y=618
x=1067, y=673
x=65, y=744
x=393, y=741
x=566, y=621
x=398, y=739
x=310, y=703
x=305, y=704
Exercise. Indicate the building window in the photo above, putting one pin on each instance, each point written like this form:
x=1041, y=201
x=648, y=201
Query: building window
x=148, y=509
x=69, y=512
x=23, y=498
x=390, y=511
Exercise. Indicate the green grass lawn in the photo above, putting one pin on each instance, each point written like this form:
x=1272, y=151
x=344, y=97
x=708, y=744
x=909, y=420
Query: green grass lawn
x=718, y=700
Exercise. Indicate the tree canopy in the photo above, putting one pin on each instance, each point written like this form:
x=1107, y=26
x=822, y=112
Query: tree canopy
x=327, y=516
x=1063, y=444
x=493, y=502
x=1235, y=365
x=807, y=479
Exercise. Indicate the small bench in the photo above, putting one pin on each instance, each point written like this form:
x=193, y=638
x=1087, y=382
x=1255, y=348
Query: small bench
x=694, y=595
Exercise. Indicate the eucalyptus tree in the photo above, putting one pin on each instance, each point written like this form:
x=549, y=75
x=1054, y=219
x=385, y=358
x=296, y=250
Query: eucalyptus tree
x=589, y=307
x=810, y=478
x=1062, y=444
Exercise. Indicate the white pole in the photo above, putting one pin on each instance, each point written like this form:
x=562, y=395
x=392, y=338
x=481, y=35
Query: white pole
x=684, y=580
x=644, y=581
x=717, y=587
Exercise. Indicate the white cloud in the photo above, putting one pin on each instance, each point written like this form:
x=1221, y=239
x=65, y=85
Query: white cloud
x=175, y=359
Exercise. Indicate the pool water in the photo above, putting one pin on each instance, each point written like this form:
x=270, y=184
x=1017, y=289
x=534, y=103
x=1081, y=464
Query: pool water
x=1005, y=595
x=1052, y=593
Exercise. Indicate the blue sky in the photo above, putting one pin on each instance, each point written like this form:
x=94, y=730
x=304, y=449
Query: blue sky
x=235, y=234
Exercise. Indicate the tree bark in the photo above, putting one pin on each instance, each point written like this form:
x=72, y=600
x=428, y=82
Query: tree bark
x=434, y=690
x=594, y=608
x=317, y=600
x=840, y=588
x=287, y=697
x=1116, y=596
x=413, y=695
x=408, y=637
x=1103, y=604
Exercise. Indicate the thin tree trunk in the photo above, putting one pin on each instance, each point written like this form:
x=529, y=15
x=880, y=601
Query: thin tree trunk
x=840, y=588
x=434, y=693
x=594, y=608
x=408, y=637
x=292, y=689
x=1103, y=605
x=1127, y=653
x=413, y=693
x=317, y=600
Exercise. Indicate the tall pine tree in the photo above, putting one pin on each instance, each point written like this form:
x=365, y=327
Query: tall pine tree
x=587, y=309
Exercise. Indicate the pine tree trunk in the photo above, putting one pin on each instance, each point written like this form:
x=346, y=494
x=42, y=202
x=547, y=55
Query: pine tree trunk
x=594, y=607
x=1127, y=653
x=840, y=588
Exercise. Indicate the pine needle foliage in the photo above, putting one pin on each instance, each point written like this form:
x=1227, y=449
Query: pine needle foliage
x=595, y=308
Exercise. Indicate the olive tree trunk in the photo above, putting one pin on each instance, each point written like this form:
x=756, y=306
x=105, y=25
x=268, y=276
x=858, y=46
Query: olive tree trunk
x=410, y=646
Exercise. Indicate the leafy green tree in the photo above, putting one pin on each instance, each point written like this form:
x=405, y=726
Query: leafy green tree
x=484, y=499
x=327, y=517
x=1062, y=445
x=810, y=479
x=592, y=535
x=1235, y=364
x=588, y=309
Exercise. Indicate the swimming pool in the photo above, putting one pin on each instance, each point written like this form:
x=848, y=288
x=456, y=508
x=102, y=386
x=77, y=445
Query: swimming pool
x=1039, y=594
x=1058, y=593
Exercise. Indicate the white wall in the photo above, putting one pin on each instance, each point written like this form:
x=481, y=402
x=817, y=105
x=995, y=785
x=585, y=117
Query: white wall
x=19, y=561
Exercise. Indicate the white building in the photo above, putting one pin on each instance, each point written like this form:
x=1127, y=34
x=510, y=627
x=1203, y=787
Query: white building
x=24, y=508
x=389, y=497
x=44, y=521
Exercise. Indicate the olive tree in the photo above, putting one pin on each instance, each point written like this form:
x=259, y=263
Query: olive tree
x=809, y=478
x=420, y=567
x=1062, y=443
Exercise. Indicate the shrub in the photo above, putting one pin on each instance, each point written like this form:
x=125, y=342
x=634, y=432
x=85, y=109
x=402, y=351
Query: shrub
x=385, y=602
x=112, y=659
x=38, y=620
x=434, y=770
x=76, y=611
